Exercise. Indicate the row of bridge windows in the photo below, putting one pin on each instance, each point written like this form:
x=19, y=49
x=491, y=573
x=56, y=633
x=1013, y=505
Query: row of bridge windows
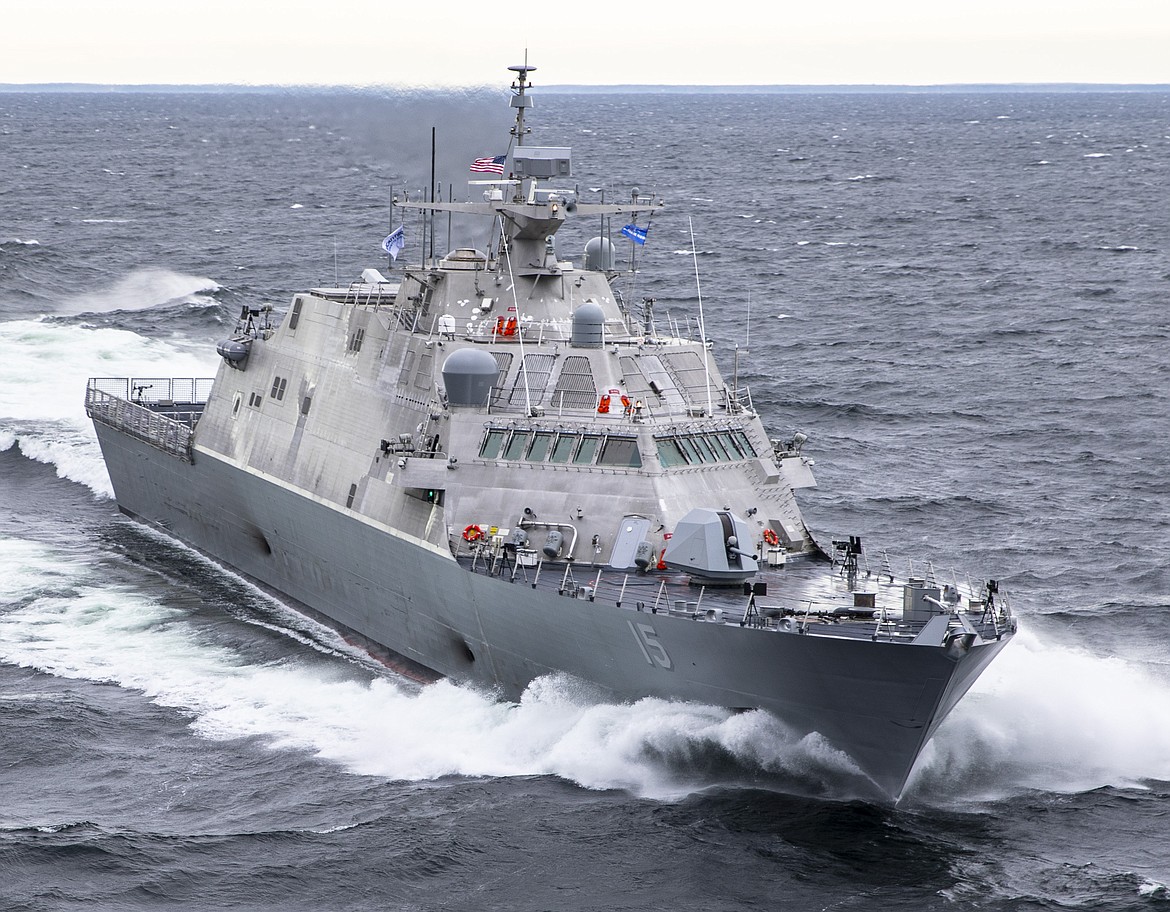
x=566, y=447
x=581, y=448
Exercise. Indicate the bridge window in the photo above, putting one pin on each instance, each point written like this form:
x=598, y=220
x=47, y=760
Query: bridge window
x=704, y=448
x=745, y=445
x=730, y=445
x=517, y=444
x=562, y=450
x=587, y=450
x=620, y=451
x=541, y=442
x=669, y=453
x=493, y=443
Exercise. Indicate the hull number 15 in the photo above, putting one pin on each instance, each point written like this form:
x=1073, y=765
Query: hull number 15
x=652, y=651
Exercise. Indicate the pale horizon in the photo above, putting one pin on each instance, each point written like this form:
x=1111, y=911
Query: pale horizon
x=651, y=43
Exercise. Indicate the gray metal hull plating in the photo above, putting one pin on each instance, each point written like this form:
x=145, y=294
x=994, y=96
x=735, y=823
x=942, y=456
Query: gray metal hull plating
x=877, y=702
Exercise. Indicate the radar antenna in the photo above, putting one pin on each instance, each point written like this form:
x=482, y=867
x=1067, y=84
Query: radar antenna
x=520, y=100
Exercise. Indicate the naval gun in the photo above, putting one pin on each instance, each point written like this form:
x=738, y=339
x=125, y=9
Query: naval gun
x=706, y=545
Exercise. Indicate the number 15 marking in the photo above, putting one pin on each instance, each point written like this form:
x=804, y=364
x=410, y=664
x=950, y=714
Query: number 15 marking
x=652, y=651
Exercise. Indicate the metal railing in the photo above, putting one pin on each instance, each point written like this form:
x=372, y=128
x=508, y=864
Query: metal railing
x=160, y=411
x=815, y=609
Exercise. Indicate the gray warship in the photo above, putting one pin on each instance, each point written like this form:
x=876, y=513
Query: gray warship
x=491, y=467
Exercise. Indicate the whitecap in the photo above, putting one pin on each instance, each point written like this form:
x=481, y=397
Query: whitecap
x=1050, y=715
x=139, y=290
x=378, y=725
x=44, y=369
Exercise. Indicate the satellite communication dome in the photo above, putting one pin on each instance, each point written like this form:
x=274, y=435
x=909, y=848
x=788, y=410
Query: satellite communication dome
x=588, y=326
x=468, y=375
x=600, y=255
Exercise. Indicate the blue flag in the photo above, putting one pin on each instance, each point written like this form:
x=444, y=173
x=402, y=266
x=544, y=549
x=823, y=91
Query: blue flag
x=394, y=242
x=635, y=233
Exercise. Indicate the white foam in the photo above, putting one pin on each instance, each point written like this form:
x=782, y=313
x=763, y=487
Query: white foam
x=373, y=725
x=44, y=367
x=26, y=567
x=139, y=290
x=1057, y=717
x=1044, y=716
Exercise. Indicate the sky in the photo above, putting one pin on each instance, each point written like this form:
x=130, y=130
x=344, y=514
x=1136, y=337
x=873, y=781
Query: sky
x=595, y=42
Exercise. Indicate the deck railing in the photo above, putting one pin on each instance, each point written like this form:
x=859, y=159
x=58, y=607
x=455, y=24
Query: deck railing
x=811, y=610
x=160, y=411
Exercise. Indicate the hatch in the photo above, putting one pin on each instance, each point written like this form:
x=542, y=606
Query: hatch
x=631, y=533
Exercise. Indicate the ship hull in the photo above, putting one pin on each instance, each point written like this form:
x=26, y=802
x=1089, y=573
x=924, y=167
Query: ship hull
x=878, y=702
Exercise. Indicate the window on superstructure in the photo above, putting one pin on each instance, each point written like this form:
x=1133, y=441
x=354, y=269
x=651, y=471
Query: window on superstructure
x=745, y=445
x=278, y=387
x=728, y=444
x=355, y=341
x=352, y=494
x=723, y=448
x=669, y=452
x=587, y=450
x=294, y=316
x=705, y=452
x=541, y=442
x=689, y=451
x=517, y=444
x=493, y=444
x=620, y=451
x=562, y=450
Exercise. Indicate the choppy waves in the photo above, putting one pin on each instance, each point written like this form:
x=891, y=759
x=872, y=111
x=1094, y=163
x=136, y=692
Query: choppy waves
x=1047, y=715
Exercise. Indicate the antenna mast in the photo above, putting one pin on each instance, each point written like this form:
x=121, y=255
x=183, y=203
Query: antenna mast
x=520, y=99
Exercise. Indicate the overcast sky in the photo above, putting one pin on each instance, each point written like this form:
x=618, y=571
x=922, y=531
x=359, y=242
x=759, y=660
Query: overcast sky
x=594, y=42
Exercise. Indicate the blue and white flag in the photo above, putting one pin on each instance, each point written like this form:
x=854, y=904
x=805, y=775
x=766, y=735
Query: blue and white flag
x=635, y=233
x=394, y=242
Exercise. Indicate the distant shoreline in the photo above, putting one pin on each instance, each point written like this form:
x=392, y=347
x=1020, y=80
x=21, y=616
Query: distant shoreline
x=999, y=88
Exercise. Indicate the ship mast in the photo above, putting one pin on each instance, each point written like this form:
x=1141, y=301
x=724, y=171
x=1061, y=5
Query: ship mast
x=520, y=99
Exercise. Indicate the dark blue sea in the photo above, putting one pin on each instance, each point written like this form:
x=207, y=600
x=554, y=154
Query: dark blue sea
x=961, y=298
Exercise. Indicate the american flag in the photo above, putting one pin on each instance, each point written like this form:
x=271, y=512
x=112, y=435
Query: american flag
x=489, y=165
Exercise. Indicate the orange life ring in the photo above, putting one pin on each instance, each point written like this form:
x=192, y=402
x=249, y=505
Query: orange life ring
x=472, y=533
x=771, y=539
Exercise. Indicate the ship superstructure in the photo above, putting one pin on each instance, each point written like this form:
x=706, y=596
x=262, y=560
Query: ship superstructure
x=492, y=467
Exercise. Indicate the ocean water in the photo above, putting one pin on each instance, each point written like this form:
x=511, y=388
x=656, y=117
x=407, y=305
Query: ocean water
x=960, y=298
